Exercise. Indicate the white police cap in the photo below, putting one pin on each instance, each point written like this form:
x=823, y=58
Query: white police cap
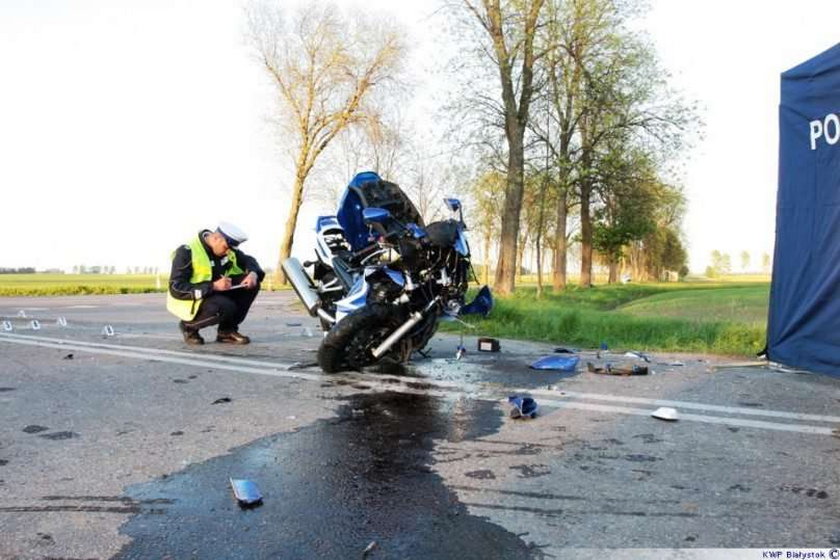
x=233, y=234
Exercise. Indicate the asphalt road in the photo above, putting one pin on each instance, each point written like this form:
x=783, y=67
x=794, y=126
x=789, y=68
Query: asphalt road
x=123, y=446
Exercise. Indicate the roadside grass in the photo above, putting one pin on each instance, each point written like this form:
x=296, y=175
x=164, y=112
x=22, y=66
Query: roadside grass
x=720, y=318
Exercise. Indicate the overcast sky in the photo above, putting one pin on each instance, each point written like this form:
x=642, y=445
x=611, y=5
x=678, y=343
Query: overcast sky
x=127, y=125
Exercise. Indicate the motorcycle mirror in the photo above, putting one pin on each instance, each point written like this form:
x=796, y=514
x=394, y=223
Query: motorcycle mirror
x=453, y=204
x=375, y=215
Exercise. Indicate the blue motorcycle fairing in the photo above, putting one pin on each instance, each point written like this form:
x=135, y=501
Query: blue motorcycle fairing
x=375, y=216
x=462, y=247
x=324, y=223
x=350, y=212
x=480, y=305
x=326, y=226
x=356, y=299
x=416, y=231
x=396, y=276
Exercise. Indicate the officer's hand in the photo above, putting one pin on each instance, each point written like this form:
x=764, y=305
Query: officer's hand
x=250, y=281
x=222, y=284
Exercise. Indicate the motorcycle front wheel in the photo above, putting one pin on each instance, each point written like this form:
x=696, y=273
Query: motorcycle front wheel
x=350, y=343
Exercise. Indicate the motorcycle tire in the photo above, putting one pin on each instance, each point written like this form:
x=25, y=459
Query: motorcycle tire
x=348, y=345
x=421, y=339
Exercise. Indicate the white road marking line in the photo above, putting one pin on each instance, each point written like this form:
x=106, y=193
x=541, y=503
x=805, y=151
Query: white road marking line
x=690, y=405
x=435, y=388
x=801, y=428
x=155, y=357
x=66, y=343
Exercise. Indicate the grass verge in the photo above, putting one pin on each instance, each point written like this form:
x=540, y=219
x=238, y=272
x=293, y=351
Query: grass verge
x=721, y=318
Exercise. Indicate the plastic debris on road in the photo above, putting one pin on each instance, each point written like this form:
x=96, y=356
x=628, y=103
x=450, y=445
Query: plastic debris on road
x=481, y=305
x=246, y=492
x=666, y=413
x=488, y=345
x=611, y=369
x=558, y=363
x=369, y=549
x=523, y=407
x=637, y=354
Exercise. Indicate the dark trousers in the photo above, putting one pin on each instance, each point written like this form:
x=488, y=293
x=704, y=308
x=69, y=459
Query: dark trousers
x=226, y=309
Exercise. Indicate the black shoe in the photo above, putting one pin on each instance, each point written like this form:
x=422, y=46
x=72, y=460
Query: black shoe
x=191, y=336
x=232, y=337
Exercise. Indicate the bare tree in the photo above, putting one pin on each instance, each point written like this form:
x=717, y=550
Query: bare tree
x=511, y=32
x=325, y=68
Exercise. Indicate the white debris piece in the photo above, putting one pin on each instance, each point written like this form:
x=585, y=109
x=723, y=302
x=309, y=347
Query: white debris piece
x=666, y=413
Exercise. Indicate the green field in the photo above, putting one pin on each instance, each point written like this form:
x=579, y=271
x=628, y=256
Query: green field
x=76, y=284
x=73, y=284
x=723, y=318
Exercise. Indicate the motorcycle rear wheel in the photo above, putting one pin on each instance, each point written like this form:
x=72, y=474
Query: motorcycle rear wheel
x=349, y=344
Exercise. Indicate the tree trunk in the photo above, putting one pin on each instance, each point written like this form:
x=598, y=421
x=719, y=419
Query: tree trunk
x=289, y=231
x=522, y=244
x=487, y=258
x=613, y=272
x=559, y=278
x=506, y=270
x=516, y=119
x=539, y=268
x=585, y=235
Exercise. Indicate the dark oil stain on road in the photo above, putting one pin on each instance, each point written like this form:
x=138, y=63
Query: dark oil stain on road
x=331, y=489
x=34, y=429
x=58, y=436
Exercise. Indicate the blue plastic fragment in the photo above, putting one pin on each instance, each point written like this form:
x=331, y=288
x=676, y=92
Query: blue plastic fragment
x=523, y=407
x=481, y=305
x=246, y=491
x=604, y=346
x=555, y=362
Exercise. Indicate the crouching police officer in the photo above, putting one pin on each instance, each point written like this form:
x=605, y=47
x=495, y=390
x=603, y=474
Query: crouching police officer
x=213, y=283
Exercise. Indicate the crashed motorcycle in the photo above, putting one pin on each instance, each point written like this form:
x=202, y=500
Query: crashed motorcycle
x=382, y=280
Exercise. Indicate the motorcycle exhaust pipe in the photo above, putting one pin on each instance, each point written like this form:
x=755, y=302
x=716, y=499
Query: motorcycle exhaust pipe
x=302, y=285
x=415, y=318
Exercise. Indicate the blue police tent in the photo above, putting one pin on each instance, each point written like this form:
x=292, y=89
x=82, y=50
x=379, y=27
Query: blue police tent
x=804, y=322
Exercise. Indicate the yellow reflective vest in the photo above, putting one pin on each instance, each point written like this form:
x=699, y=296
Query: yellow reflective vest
x=202, y=271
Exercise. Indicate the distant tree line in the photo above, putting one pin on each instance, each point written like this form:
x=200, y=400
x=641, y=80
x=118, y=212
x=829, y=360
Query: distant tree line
x=721, y=264
x=84, y=269
x=22, y=270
